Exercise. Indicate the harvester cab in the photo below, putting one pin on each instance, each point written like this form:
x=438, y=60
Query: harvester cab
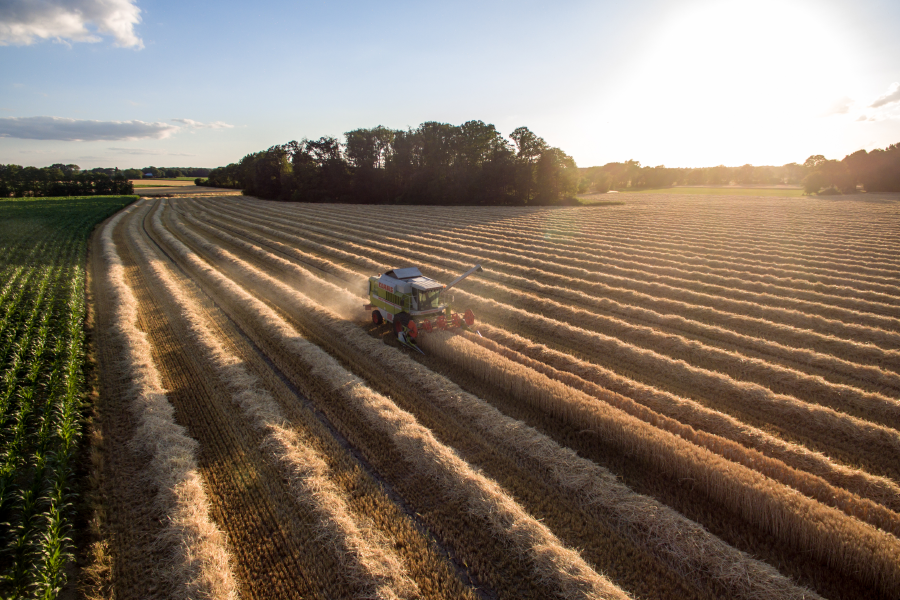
x=413, y=303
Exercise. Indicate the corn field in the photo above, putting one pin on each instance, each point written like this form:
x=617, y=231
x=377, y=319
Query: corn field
x=678, y=397
x=43, y=248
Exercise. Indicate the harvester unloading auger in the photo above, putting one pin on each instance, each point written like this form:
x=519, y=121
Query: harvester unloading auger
x=409, y=300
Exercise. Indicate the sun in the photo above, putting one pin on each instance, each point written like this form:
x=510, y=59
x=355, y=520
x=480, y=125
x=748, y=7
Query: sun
x=725, y=81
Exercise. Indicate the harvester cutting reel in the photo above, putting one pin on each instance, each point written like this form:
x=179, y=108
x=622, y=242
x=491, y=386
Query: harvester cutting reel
x=412, y=303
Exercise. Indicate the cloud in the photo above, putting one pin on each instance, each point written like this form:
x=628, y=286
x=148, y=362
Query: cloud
x=147, y=152
x=198, y=125
x=76, y=130
x=862, y=118
x=839, y=107
x=22, y=22
x=892, y=95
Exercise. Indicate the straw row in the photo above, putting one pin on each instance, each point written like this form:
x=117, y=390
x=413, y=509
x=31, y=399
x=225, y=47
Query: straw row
x=859, y=438
x=563, y=569
x=671, y=542
x=199, y=563
x=369, y=563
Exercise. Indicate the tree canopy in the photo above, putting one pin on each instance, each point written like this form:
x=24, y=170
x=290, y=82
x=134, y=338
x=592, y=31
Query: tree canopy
x=61, y=180
x=434, y=163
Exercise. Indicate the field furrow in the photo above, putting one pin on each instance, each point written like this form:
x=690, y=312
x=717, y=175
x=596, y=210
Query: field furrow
x=858, y=441
x=675, y=397
x=884, y=305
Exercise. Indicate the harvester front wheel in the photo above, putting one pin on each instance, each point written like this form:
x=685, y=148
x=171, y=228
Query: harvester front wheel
x=377, y=319
x=400, y=321
x=469, y=317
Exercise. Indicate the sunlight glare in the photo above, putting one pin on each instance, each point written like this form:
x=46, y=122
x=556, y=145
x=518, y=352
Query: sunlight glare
x=726, y=79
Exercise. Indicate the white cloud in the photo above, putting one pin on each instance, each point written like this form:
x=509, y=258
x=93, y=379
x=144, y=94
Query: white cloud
x=198, y=125
x=23, y=22
x=839, y=107
x=892, y=95
x=147, y=152
x=76, y=130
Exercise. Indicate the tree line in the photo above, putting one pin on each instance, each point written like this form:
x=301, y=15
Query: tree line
x=631, y=175
x=473, y=163
x=166, y=172
x=61, y=180
x=434, y=163
x=875, y=171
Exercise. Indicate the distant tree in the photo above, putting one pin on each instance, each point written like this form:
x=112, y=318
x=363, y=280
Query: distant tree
x=266, y=174
x=877, y=171
x=556, y=176
x=814, y=161
x=814, y=182
x=528, y=146
x=653, y=177
x=594, y=180
x=792, y=173
x=719, y=175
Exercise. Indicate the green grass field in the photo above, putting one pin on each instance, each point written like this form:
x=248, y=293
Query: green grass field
x=43, y=247
x=722, y=191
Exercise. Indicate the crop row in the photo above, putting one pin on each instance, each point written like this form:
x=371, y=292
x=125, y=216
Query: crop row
x=732, y=312
x=231, y=235
x=731, y=227
x=866, y=485
x=365, y=557
x=195, y=547
x=821, y=304
x=432, y=464
x=585, y=235
x=42, y=310
x=665, y=299
x=274, y=261
x=541, y=281
x=607, y=259
x=859, y=439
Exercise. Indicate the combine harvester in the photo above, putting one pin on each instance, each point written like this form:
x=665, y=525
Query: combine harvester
x=408, y=300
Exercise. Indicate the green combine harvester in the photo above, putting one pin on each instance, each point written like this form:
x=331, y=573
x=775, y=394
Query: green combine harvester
x=409, y=300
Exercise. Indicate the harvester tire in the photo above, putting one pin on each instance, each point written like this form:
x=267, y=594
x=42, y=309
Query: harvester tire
x=469, y=317
x=400, y=321
x=376, y=317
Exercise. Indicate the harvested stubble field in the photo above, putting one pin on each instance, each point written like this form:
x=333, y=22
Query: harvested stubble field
x=681, y=397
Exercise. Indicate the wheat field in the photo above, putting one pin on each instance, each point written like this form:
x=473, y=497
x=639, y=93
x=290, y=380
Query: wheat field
x=678, y=397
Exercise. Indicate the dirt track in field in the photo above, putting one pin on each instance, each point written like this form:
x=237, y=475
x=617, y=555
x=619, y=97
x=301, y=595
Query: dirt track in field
x=774, y=341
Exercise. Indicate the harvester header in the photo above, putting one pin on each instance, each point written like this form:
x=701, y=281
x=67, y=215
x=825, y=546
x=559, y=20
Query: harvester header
x=409, y=300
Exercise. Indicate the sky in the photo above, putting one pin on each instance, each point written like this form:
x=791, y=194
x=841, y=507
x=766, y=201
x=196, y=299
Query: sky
x=680, y=83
